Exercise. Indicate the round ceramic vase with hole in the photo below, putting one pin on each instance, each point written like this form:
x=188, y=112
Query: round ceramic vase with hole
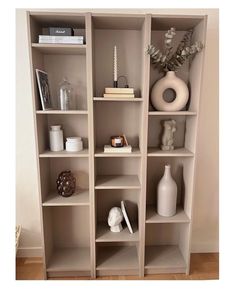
x=170, y=81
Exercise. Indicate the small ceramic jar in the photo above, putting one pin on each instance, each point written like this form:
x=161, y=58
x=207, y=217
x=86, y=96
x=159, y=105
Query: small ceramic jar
x=74, y=144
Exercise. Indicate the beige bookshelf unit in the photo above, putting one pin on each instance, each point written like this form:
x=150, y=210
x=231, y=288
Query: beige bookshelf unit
x=76, y=237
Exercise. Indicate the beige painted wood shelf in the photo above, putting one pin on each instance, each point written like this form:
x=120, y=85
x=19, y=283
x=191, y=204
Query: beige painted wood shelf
x=65, y=154
x=75, y=237
x=117, y=182
x=105, y=235
x=179, y=152
x=60, y=48
x=69, y=259
x=79, y=198
x=135, y=99
x=62, y=112
x=100, y=153
x=153, y=217
x=165, y=258
x=117, y=258
x=160, y=113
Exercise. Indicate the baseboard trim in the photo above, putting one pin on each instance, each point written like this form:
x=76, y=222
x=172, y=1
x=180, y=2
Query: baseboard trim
x=205, y=248
x=29, y=252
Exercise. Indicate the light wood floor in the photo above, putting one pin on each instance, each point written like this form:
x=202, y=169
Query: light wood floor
x=203, y=267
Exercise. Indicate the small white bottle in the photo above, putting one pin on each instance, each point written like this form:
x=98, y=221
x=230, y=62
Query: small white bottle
x=56, y=138
x=74, y=144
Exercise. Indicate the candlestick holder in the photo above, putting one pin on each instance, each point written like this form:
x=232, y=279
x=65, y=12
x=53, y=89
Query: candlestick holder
x=115, y=82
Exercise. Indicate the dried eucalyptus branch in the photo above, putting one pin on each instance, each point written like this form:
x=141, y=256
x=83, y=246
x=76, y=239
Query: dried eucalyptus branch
x=181, y=55
x=168, y=41
x=185, y=41
x=169, y=61
x=158, y=58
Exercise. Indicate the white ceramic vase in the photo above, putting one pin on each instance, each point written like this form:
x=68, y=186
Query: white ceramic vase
x=166, y=194
x=56, y=138
x=170, y=81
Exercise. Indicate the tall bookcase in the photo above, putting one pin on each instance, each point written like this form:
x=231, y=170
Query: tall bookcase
x=76, y=238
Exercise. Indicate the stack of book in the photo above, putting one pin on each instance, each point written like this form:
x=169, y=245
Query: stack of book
x=59, y=35
x=61, y=39
x=119, y=92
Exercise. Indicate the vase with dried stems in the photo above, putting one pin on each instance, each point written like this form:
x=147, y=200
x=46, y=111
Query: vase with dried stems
x=170, y=61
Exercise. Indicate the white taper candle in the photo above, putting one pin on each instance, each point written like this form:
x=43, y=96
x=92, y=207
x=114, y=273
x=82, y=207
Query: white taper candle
x=115, y=64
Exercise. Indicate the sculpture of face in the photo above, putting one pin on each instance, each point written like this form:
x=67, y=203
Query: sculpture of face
x=115, y=217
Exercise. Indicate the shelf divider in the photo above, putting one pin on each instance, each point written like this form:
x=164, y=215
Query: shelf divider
x=117, y=182
x=64, y=154
x=79, y=198
x=153, y=217
x=178, y=152
x=51, y=48
x=105, y=235
x=62, y=112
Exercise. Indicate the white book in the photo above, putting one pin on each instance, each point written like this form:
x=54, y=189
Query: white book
x=119, y=95
x=61, y=39
x=60, y=42
x=122, y=90
x=123, y=208
x=110, y=149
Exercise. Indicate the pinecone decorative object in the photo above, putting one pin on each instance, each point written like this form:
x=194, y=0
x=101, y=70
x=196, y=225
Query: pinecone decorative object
x=66, y=184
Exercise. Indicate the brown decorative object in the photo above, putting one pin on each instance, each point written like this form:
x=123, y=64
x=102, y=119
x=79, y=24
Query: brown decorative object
x=66, y=184
x=117, y=141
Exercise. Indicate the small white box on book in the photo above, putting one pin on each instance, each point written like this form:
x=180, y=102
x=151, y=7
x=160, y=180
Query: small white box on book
x=110, y=149
x=119, y=90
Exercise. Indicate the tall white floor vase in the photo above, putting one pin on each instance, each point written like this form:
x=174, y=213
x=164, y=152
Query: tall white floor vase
x=166, y=194
x=170, y=81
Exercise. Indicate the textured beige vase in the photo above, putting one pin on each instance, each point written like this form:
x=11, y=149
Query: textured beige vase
x=166, y=194
x=170, y=81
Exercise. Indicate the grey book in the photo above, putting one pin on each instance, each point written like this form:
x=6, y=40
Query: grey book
x=60, y=31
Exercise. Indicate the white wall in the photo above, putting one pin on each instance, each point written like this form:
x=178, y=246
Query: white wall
x=206, y=215
x=206, y=207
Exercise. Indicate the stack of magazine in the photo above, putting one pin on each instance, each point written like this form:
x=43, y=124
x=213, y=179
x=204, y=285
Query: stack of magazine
x=60, y=35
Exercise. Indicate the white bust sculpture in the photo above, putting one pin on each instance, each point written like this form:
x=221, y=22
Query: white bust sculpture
x=168, y=135
x=114, y=219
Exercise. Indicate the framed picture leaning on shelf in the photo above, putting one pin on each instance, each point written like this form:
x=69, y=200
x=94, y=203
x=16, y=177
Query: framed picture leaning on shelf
x=44, y=90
